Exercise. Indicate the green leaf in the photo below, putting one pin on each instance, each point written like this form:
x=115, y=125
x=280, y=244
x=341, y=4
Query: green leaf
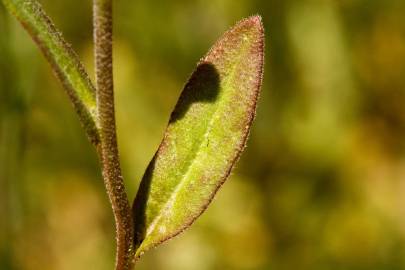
x=62, y=58
x=206, y=134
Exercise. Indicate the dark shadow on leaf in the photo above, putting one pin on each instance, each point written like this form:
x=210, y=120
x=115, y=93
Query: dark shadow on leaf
x=203, y=86
x=139, y=206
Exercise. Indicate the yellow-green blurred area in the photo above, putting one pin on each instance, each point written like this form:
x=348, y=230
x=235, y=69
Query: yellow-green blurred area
x=321, y=184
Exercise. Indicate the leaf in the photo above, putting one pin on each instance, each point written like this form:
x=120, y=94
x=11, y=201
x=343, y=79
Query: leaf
x=206, y=134
x=62, y=58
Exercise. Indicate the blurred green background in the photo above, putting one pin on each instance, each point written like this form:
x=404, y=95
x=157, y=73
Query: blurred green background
x=321, y=184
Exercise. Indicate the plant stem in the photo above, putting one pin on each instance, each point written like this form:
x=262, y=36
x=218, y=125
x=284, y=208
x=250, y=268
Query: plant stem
x=108, y=151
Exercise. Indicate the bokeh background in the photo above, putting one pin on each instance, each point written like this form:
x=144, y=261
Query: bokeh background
x=321, y=184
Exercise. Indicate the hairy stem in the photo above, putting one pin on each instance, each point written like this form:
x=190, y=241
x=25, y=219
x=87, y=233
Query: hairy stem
x=108, y=151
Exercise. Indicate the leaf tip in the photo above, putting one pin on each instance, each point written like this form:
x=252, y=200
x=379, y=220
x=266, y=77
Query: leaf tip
x=254, y=21
x=257, y=19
